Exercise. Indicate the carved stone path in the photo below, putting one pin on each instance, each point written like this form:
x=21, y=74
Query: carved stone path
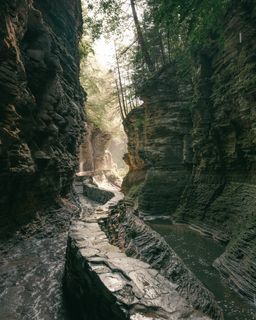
x=103, y=283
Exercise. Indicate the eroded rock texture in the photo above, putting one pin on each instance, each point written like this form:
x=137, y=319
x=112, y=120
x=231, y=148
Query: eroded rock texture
x=159, y=147
x=41, y=104
x=102, y=283
x=32, y=266
x=93, y=192
x=195, y=158
x=94, y=154
x=221, y=192
x=138, y=240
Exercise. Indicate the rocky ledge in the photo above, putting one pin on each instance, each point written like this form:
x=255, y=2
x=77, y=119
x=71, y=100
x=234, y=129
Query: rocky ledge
x=93, y=192
x=102, y=282
x=138, y=240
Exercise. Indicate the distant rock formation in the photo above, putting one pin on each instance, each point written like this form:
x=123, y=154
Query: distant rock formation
x=94, y=154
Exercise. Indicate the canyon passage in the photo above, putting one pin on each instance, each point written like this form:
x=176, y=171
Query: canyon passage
x=127, y=160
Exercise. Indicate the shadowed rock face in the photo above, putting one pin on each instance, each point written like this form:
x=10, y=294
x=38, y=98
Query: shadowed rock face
x=41, y=104
x=93, y=192
x=32, y=265
x=221, y=192
x=138, y=240
x=159, y=144
x=102, y=283
x=210, y=181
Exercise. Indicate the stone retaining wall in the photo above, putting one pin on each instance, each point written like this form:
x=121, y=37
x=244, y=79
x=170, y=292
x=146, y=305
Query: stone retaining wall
x=102, y=283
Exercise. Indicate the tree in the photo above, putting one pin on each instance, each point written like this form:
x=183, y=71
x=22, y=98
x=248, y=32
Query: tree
x=101, y=91
x=120, y=88
x=166, y=31
x=141, y=39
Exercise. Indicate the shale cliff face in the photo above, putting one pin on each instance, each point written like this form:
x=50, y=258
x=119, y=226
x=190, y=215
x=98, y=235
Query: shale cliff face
x=198, y=156
x=41, y=104
x=159, y=147
x=222, y=188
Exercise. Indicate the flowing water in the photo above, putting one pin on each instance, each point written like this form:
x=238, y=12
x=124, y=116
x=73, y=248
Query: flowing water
x=198, y=252
x=32, y=264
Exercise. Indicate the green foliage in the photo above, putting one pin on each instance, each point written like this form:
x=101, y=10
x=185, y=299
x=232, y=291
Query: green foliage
x=85, y=48
x=102, y=108
x=173, y=30
x=102, y=104
x=135, y=190
x=139, y=124
x=102, y=17
x=236, y=81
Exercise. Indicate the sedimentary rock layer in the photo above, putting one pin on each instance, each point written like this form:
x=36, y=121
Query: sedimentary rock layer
x=138, y=240
x=93, y=192
x=32, y=265
x=94, y=155
x=221, y=192
x=194, y=156
x=159, y=147
x=41, y=104
x=102, y=283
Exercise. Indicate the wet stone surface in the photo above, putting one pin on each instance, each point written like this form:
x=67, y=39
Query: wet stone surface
x=31, y=269
x=103, y=283
x=97, y=194
x=199, y=253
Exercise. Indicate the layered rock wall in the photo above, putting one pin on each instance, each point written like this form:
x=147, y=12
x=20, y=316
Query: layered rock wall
x=159, y=149
x=126, y=230
x=102, y=283
x=41, y=104
x=198, y=153
x=221, y=192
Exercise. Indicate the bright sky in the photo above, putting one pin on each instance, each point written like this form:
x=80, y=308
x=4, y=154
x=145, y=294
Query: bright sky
x=104, y=48
x=105, y=52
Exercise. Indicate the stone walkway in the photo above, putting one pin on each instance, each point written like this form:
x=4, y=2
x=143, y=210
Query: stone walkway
x=119, y=287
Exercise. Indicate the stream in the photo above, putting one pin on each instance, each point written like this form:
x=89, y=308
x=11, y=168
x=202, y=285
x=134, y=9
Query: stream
x=32, y=264
x=198, y=253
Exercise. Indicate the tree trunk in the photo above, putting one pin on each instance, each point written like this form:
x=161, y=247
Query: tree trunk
x=161, y=46
x=132, y=106
x=119, y=101
x=168, y=42
x=121, y=85
x=141, y=39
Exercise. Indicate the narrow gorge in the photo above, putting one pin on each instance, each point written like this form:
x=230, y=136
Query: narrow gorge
x=127, y=160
